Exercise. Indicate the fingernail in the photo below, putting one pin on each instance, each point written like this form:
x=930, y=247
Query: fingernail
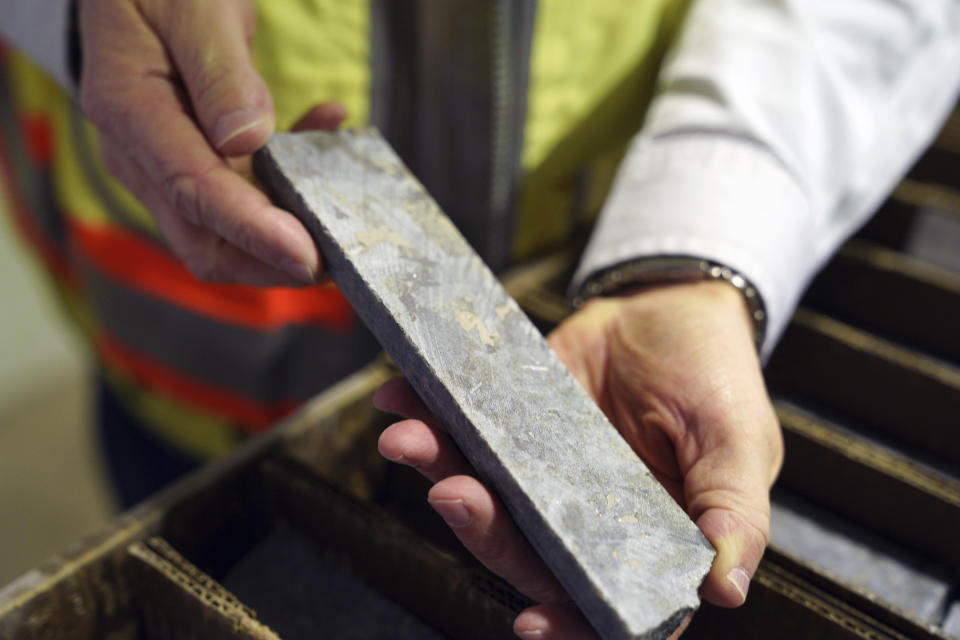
x=298, y=270
x=740, y=580
x=453, y=512
x=532, y=634
x=231, y=125
x=397, y=458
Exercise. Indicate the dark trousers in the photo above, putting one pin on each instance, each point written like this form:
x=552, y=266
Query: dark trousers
x=138, y=462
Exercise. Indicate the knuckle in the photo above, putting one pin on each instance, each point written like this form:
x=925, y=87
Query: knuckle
x=183, y=190
x=759, y=529
x=210, y=86
x=246, y=238
x=492, y=548
x=186, y=191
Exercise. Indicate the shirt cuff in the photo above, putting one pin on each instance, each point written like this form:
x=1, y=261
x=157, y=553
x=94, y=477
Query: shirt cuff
x=715, y=197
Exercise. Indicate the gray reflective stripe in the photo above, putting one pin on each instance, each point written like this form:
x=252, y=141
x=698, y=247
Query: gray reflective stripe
x=269, y=367
x=449, y=92
x=34, y=183
x=86, y=158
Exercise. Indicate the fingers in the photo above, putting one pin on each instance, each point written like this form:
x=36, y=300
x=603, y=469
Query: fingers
x=553, y=622
x=199, y=186
x=221, y=261
x=195, y=183
x=135, y=58
x=208, y=43
x=416, y=445
x=563, y=622
x=220, y=226
x=476, y=516
x=322, y=117
x=485, y=528
x=398, y=397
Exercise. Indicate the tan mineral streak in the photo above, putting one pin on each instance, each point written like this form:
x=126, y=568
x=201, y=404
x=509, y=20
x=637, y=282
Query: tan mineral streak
x=469, y=321
x=372, y=237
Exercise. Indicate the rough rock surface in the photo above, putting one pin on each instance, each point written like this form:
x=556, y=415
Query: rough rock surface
x=628, y=555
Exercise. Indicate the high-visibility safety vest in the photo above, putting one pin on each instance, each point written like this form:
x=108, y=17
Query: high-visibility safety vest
x=513, y=113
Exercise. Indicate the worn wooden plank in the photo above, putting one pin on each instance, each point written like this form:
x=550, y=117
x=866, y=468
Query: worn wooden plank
x=869, y=382
x=884, y=490
x=951, y=623
x=624, y=550
x=892, y=295
x=859, y=559
x=456, y=598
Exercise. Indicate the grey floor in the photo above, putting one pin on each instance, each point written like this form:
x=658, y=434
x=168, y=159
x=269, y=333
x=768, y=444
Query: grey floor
x=52, y=492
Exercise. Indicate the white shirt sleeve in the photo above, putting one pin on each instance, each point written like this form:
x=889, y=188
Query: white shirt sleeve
x=39, y=28
x=779, y=127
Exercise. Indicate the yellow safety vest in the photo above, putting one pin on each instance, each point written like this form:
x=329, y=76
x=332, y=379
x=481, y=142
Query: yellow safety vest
x=203, y=365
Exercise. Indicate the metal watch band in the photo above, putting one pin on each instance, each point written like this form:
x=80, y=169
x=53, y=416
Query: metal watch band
x=674, y=269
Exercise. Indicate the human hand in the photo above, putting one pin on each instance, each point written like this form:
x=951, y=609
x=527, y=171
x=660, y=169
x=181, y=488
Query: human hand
x=675, y=369
x=172, y=89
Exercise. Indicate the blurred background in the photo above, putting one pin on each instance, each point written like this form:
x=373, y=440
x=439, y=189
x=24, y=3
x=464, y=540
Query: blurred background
x=52, y=491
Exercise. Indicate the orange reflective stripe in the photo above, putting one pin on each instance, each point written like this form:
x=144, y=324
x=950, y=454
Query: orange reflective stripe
x=38, y=136
x=249, y=415
x=142, y=265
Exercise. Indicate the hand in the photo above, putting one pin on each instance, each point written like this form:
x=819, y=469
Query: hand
x=675, y=369
x=173, y=91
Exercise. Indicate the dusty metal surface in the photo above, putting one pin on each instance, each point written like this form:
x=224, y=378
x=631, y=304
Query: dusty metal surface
x=624, y=550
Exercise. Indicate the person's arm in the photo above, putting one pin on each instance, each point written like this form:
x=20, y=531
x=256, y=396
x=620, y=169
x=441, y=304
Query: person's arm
x=779, y=127
x=41, y=29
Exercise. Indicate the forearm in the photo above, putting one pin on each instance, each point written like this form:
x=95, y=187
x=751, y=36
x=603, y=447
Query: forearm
x=40, y=28
x=778, y=129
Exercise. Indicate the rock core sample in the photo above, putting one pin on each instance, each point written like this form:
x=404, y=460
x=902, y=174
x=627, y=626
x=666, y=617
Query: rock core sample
x=624, y=550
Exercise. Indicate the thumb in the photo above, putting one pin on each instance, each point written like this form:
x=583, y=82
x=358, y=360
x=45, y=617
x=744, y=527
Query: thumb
x=740, y=547
x=727, y=492
x=208, y=43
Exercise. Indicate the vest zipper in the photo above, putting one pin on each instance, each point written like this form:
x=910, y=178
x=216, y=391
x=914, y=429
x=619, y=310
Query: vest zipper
x=511, y=35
